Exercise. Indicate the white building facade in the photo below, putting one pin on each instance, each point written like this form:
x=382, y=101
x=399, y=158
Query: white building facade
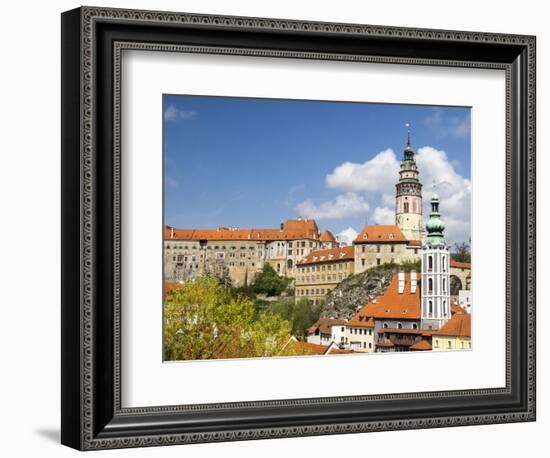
x=436, y=296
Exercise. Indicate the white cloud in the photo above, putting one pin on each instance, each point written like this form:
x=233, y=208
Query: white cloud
x=453, y=189
x=454, y=126
x=374, y=181
x=383, y=215
x=378, y=174
x=342, y=206
x=347, y=236
x=172, y=114
x=171, y=182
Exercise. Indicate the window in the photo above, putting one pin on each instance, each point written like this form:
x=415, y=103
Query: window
x=444, y=262
x=430, y=307
x=399, y=326
x=406, y=207
x=289, y=263
x=430, y=285
x=430, y=262
x=363, y=248
x=385, y=325
x=362, y=262
x=378, y=248
x=378, y=262
x=370, y=344
x=415, y=326
x=449, y=344
x=444, y=285
x=392, y=249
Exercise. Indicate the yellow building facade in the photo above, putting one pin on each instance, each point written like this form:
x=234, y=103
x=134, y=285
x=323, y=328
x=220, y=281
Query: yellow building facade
x=320, y=271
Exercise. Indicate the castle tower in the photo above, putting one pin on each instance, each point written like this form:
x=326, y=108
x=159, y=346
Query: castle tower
x=436, y=295
x=408, y=196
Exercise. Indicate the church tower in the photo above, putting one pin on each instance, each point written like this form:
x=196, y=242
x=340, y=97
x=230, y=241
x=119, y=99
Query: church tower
x=436, y=296
x=408, y=196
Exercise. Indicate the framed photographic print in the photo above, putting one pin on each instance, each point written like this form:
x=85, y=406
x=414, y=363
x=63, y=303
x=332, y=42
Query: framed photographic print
x=335, y=220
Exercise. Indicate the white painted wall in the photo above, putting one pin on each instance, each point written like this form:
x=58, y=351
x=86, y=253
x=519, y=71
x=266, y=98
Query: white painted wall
x=30, y=195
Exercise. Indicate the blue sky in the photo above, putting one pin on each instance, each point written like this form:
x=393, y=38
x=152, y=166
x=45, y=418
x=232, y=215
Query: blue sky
x=256, y=162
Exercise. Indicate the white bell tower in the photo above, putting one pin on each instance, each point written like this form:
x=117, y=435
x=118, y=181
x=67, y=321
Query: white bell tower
x=436, y=295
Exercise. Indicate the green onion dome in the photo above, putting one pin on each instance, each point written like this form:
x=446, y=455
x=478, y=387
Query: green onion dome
x=435, y=226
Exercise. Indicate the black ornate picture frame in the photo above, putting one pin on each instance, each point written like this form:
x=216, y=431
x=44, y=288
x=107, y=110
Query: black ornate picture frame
x=92, y=42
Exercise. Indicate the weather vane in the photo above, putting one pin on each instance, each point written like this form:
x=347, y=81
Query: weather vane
x=408, y=126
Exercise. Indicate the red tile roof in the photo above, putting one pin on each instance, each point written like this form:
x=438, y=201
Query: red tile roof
x=455, y=308
x=327, y=236
x=345, y=253
x=386, y=343
x=380, y=234
x=293, y=229
x=392, y=304
x=401, y=331
x=460, y=265
x=307, y=348
x=361, y=322
x=421, y=345
x=458, y=326
x=324, y=325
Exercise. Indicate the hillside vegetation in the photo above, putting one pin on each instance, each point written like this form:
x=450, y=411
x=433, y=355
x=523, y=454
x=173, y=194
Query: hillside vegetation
x=357, y=290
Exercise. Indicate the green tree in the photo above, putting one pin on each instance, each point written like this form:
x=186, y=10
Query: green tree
x=301, y=314
x=270, y=282
x=204, y=320
x=461, y=252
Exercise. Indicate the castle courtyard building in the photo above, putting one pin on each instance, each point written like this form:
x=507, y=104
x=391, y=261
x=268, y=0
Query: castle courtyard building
x=320, y=271
x=237, y=253
x=376, y=245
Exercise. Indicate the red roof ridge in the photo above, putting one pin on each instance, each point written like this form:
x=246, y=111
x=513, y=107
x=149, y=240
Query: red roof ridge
x=380, y=234
x=329, y=255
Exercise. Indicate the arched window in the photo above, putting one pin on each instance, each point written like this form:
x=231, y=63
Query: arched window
x=430, y=285
x=415, y=326
x=445, y=307
x=289, y=263
x=444, y=285
x=430, y=262
x=444, y=262
x=406, y=207
x=385, y=325
x=430, y=307
x=399, y=326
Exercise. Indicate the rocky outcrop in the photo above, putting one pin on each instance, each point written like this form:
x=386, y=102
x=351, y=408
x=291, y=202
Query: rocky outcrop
x=355, y=291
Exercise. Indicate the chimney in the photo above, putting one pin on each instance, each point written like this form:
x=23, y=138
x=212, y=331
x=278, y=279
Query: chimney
x=414, y=282
x=282, y=225
x=171, y=232
x=400, y=282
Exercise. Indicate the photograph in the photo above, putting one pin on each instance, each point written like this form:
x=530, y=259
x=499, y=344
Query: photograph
x=314, y=228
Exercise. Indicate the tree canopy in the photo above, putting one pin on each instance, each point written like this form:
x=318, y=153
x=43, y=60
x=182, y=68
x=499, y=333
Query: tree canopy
x=203, y=320
x=461, y=252
x=270, y=282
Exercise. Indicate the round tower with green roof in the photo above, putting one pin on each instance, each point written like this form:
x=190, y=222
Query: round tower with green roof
x=408, y=196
